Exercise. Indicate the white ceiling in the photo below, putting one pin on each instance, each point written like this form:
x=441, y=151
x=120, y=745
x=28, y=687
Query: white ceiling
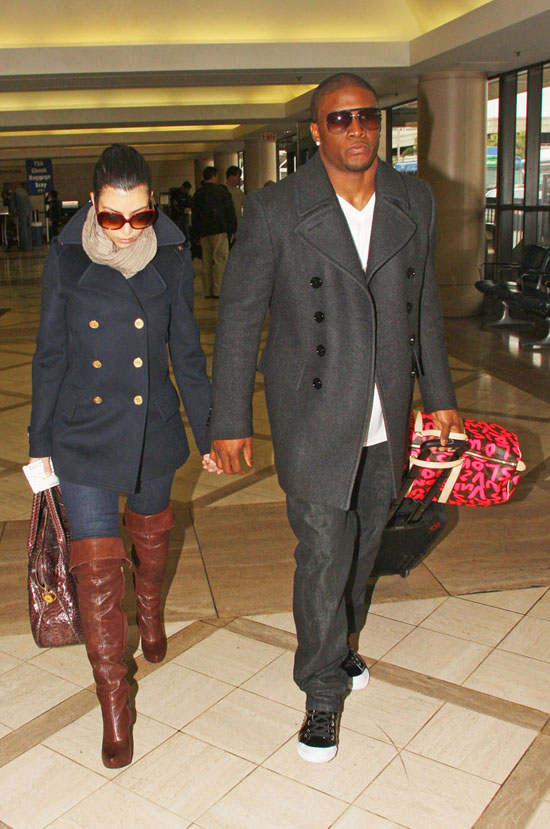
x=187, y=78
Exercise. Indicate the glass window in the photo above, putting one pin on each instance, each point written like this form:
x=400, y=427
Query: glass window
x=404, y=137
x=521, y=120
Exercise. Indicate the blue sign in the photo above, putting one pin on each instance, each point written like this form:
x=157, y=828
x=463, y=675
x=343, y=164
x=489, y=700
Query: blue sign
x=39, y=175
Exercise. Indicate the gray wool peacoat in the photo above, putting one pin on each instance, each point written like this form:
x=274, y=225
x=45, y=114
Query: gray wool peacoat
x=104, y=406
x=335, y=328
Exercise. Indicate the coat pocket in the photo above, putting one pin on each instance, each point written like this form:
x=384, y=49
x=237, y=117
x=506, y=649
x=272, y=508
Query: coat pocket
x=167, y=402
x=67, y=401
x=281, y=365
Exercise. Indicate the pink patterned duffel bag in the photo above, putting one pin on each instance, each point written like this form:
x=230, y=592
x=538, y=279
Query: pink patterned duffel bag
x=486, y=473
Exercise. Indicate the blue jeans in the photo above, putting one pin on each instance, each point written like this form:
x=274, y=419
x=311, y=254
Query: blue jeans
x=93, y=512
x=334, y=558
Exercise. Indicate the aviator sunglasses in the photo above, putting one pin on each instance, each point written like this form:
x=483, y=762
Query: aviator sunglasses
x=368, y=118
x=111, y=220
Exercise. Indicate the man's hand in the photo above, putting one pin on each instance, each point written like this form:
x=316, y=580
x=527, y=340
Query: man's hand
x=447, y=420
x=226, y=454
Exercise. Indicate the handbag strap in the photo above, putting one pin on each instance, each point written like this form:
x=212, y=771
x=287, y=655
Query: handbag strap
x=51, y=506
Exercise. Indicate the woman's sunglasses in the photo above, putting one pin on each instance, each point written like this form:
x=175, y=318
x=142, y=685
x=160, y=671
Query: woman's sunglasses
x=110, y=220
x=368, y=118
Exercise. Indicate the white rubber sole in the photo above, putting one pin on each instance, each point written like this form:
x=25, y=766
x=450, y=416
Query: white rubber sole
x=316, y=755
x=357, y=683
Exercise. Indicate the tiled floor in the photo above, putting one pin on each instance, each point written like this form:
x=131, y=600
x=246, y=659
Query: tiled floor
x=454, y=728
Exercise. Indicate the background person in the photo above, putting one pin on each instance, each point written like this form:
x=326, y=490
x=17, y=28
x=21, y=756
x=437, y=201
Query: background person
x=117, y=289
x=233, y=176
x=20, y=205
x=214, y=223
x=341, y=253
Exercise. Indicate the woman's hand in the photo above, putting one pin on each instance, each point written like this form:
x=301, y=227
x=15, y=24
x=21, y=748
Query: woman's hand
x=45, y=463
x=210, y=465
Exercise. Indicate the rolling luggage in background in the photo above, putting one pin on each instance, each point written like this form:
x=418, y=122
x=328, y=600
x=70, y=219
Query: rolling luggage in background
x=414, y=525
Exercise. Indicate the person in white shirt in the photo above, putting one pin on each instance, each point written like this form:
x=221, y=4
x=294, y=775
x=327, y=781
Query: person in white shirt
x=341, y=253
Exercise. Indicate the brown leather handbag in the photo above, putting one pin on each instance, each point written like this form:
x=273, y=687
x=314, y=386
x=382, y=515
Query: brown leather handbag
x=53, y=606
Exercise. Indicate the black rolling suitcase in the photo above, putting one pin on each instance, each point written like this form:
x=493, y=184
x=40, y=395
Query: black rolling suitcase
x=413, y=526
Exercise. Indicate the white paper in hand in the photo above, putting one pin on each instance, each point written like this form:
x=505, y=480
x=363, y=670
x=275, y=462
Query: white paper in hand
x=37, y=478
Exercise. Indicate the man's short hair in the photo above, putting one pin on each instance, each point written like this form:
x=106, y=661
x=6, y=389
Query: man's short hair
x=186, y=184
x=209, y=173
x=233, y=171
x=334, y=82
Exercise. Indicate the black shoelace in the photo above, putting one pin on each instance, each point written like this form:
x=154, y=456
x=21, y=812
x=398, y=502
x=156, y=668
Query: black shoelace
x=321, y=724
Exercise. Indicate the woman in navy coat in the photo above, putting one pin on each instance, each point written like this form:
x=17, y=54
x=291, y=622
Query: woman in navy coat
x=117, y=302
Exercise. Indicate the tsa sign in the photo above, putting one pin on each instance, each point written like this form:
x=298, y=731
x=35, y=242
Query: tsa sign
x=39, y=175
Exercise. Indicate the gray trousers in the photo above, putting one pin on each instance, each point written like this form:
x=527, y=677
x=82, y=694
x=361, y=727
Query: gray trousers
x=334, y=559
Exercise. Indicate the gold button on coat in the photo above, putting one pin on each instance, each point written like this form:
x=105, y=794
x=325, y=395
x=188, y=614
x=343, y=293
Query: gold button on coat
x=93, y=324
x=138, y=362
x=139, y=323
x=98, y=399
x=138, y=399
x=97, y=364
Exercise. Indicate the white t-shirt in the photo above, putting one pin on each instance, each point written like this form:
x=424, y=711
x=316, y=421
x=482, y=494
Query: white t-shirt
x=360, y=225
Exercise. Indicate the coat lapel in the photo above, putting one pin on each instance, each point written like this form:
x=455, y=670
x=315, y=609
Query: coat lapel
x=322, y=225
x=392, y=225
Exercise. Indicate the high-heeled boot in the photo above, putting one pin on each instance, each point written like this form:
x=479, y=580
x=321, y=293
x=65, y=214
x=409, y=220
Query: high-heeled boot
x=97, y=565
x=150, y=536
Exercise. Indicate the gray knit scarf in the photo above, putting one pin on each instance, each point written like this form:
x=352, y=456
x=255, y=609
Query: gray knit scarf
x=102, y=250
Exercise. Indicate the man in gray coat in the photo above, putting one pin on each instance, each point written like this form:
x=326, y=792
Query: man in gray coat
x=342, y=254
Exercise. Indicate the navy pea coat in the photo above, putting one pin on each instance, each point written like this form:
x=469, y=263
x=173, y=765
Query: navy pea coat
x=335, y=327
x=104, y=406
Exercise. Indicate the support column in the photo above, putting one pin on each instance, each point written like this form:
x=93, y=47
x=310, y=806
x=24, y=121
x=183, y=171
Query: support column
x=200, y=164
x=260, y=163
x=222, y=161
x=452, y=127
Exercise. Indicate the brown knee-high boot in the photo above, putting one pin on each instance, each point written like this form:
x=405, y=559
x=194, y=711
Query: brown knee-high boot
x=150, y=536
x=97, y=564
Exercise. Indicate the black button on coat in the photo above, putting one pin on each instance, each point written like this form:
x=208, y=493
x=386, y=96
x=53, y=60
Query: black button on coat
x=122, y=359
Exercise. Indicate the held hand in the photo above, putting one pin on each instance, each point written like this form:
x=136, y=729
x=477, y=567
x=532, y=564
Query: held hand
x=226, y=454
x=447, y=420
x=209, y=464
x=45, y=463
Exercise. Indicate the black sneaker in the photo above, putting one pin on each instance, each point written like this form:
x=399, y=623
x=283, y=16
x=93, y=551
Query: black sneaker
x=318, y=737
x=357, y=671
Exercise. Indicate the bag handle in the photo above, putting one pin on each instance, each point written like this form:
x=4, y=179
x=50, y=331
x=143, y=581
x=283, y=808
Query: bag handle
x=50, y=505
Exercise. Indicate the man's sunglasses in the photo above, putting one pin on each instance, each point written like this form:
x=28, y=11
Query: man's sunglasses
x=368, y=118
x=111, y=220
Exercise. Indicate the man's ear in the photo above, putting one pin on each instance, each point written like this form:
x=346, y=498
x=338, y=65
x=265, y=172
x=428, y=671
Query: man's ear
x=314, y=129
x=92, y=199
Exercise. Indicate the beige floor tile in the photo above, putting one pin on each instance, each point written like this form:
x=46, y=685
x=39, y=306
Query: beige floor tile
x=412, y=612
x=273, y=802
x=40, y=785
x=358, y=761
x=542, y=608
x=228, y=656
x=26, y=692
x=422, y=794
x=518, y=601
x=388, y=712
x=513, y=677
x=438, y=655
x=473, y=742
x=4, y=730
x=379, y=635
x=531, y=637
x=21, y=646
x=81, y=740
x=275, y=682
x=7, y=663
x=354, y=818
x=69, y=663
x=175, y=695
x=248, y=725
x=474, y=622
x=541, y=818
x=185, y=775
x=112, y=806
x=283, y=621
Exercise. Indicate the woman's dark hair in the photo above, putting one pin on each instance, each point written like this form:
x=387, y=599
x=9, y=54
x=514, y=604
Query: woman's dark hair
x=121, y=167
